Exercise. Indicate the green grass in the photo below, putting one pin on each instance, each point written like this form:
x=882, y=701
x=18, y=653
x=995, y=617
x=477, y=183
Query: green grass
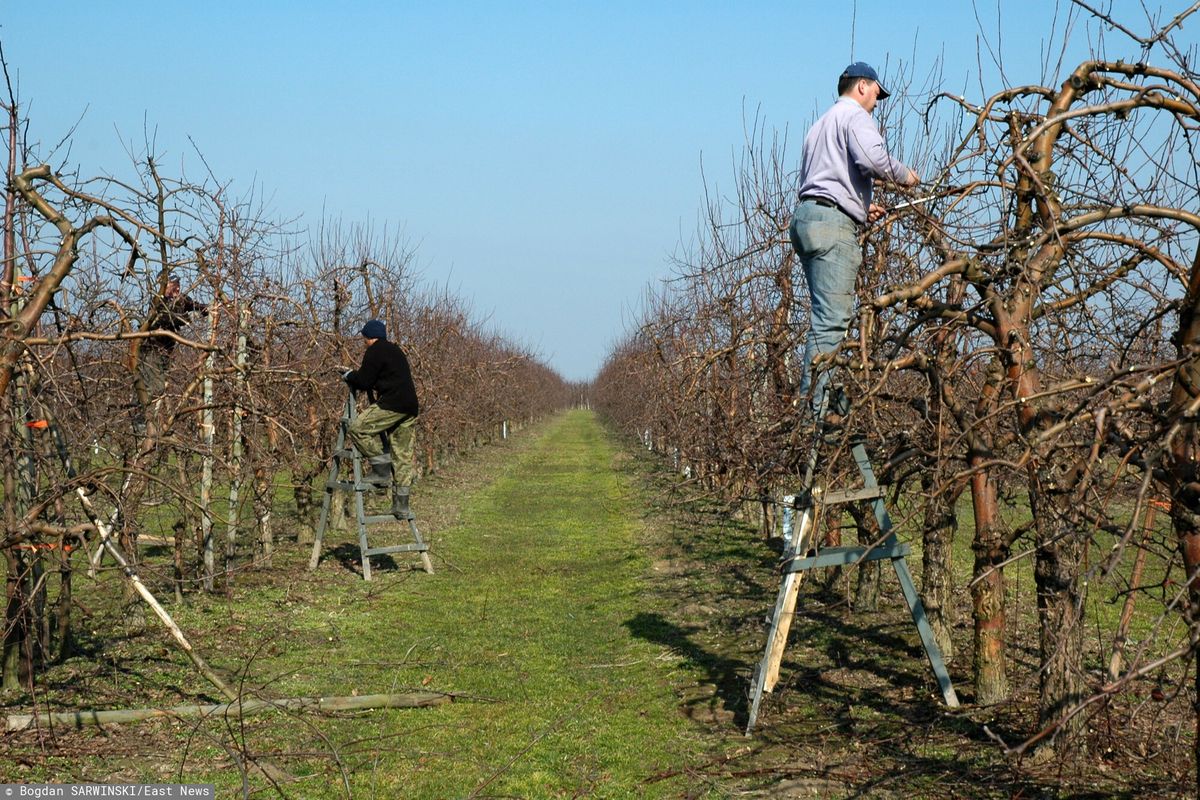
x=529, y=619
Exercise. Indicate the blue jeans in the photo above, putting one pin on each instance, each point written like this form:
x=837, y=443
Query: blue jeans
x=826, y=240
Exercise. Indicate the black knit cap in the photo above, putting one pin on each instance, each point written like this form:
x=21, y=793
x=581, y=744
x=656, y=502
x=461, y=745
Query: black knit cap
x=375, y=329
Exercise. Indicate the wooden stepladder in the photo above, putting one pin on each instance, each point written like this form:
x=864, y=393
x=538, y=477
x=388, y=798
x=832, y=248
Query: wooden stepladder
x=802, y=553
x=345, y=455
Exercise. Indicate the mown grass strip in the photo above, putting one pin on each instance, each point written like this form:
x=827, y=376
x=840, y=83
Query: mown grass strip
x=532, y=615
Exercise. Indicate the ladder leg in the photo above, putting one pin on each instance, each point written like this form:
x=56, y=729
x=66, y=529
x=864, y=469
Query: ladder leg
x=425, y=562
x=915, y=607
x=335, y=468
x=932, y=651
x=785, y=608
x=320, y=535
x=767, y=674
x=325, y=506
x=360, y=514
x=356, y=461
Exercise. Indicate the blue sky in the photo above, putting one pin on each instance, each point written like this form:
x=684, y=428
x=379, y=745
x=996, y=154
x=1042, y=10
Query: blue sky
x=544, y=158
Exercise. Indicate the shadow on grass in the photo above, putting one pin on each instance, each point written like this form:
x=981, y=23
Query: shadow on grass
x=720, y=671
x=350, y=557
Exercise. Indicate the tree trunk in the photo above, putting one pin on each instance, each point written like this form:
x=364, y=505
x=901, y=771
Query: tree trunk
x=37, y=646
x=1116, y=661
x=303, y=494
x=1060, y=614
x=1183, y=475
x=233, y=520
x=65, y=641
x=987, y=591
x=870, y=573
x=178, y=536
x=937, y=564
x=337, y=511
x=263, y=490
x=14, y=620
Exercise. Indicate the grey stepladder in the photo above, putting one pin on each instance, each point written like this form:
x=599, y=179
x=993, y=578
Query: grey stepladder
x=810, y=502
x=347, y=455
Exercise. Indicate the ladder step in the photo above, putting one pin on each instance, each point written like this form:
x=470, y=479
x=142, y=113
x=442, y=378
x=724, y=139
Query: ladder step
x=841, y=556
x=351, y=486
x=375, y=519
x=397, y=548
x=346, y=453
x=852, y=495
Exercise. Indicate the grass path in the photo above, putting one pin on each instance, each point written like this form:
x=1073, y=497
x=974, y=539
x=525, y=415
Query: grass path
x=532, y=614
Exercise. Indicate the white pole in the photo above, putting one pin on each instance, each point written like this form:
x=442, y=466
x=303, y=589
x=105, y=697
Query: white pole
x=235, y=455
x=207, y=435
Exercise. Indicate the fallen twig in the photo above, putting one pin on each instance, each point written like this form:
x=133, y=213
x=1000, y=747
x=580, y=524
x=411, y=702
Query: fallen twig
x=21, y=722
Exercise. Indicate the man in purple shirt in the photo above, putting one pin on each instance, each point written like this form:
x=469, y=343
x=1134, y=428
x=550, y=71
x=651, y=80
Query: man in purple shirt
x=843, y=155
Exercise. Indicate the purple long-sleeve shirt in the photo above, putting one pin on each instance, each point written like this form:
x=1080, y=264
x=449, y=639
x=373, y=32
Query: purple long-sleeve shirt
x=843, y=154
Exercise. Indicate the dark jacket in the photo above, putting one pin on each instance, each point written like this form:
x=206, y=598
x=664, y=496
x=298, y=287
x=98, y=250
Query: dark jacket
x=170, y=314
x=385, y=373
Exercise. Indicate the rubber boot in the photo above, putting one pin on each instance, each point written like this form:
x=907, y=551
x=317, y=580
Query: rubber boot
x=400, y=509
x=381, y=472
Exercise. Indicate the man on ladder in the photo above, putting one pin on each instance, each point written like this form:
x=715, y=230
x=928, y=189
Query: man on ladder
x=843, y=155
x=384, y=373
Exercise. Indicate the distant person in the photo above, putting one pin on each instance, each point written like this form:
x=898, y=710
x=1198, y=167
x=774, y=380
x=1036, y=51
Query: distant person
x=843, y=155
x=393, y=413
x=169, y=312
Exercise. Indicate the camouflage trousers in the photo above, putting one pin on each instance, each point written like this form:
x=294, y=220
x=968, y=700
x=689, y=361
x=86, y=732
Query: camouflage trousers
x=367, y=433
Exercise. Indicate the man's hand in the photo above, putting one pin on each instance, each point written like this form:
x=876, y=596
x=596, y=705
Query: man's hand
x=875, y=212
x=913, y=178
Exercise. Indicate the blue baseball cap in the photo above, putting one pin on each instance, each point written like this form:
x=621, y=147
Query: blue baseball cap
x=861, y=69
x=374, y=329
